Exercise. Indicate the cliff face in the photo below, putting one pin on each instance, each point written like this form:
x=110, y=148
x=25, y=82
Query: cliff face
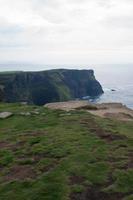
x=48, y=86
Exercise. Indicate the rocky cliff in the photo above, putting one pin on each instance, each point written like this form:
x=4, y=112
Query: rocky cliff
x=48, y=86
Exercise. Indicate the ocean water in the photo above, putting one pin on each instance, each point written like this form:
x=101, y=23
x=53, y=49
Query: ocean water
x=117, y=77
x=122, y=94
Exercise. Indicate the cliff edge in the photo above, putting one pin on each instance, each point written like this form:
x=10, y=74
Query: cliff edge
x=48, y=86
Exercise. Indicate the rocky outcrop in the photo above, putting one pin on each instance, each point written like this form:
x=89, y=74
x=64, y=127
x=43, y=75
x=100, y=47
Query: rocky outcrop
x=4, y=115
x=115, y=111
x=48, y=86
x=67, y=105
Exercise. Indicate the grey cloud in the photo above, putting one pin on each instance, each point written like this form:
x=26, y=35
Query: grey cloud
x=124, y=22
x=42, y=28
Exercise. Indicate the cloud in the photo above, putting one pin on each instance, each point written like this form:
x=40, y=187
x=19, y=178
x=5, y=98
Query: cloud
x=43, y=30
x=124, y=22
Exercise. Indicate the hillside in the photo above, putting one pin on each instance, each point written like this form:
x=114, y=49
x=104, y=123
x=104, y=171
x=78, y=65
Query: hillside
x=48, y=86
x=57, y=155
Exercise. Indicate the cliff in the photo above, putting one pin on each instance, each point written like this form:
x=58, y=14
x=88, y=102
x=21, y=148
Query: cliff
x=48, y=86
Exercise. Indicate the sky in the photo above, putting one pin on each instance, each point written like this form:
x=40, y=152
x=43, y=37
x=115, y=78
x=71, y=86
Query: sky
x=66, y=31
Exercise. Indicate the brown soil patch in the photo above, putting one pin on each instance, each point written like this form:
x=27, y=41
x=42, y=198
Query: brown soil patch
x=33, y=133
x=87, y=107
x=39, y=156
x=49, y=167
x=11, y=146
x=4, y=144
x=89, y=123
x=119, y=115
x=17, y=146
x=122, y=146
x=107, y=136
x=95, y=194
x=76, y=180
x=24, y=159
x=20, y=172
x=34, y=159
x=110, y=137
x=129, y=164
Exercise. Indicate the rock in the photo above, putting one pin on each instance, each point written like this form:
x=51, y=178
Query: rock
x=67, y=106
x=35, y=112
x=4, y=115
x=65, y=114
x=48, y=86
x=43, y=113
x=23, y=103
x=25, y=113
x=113, y=90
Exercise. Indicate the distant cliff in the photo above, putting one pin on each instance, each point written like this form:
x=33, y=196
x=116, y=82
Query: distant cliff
x=48, y=86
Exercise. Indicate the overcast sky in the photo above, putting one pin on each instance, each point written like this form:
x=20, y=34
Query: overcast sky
x=66, y=31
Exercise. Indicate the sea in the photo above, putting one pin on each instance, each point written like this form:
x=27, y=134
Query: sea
x=117, y=83
x=116, y=79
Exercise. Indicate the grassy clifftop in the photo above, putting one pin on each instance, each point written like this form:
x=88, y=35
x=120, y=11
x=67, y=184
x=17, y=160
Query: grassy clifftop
x=48, y=86
x=58, y=155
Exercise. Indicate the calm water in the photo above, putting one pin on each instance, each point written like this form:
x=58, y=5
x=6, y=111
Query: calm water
x=117, y=77
x=121, y=94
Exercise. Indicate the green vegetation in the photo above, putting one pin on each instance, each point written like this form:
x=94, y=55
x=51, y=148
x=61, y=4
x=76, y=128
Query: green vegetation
x=56, y=156
x=48, y=86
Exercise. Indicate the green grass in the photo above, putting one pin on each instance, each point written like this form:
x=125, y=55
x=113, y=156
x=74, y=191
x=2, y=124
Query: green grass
x=65, y=153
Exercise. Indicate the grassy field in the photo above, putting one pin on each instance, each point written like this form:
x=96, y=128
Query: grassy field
x=58, y=155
